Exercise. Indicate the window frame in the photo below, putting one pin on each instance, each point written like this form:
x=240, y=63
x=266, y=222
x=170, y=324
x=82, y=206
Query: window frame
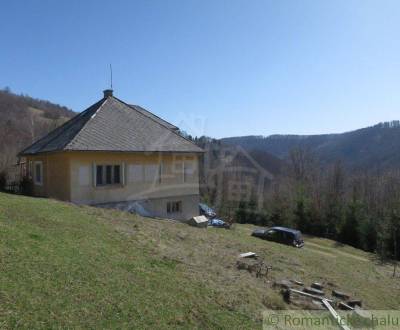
x=108, y=178
x=35, y=164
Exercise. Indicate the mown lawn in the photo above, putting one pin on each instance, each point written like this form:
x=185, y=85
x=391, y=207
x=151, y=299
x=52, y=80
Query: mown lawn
x=63, y=266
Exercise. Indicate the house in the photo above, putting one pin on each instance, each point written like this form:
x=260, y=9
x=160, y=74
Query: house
x=114, y=153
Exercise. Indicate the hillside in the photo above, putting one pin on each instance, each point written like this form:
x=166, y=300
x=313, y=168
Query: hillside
x=23, y=121
x=376, y=146
x=64, y=266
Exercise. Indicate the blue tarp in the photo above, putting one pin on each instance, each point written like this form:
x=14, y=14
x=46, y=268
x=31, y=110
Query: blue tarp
x=216, y=223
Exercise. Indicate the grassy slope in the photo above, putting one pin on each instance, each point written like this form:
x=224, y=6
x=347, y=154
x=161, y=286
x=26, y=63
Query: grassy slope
x=68, y=266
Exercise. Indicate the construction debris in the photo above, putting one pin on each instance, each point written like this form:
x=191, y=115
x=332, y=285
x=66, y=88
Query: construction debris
x=314, y=291
x=314, y=298
x=297, y=282
x=335, y=315
x=248, y=255
x=309, y=295
x=354, y=303
x=253, y=265
x=344, y=306
x=199, y=221
x=317, y=286
x=340, y=295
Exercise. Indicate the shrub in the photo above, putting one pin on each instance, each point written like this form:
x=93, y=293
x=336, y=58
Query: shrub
x=26, y=186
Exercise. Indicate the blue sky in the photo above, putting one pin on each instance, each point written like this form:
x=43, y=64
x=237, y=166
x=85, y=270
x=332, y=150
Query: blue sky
x=220, y=68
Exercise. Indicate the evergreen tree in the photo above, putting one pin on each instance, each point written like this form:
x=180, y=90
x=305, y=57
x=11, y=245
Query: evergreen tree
x=350, y=231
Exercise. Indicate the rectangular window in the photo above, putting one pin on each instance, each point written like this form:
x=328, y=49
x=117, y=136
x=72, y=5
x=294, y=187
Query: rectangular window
x=99, y=175
x=108, y=175
x=174, y=207
x=38, y=173
x=117, y=174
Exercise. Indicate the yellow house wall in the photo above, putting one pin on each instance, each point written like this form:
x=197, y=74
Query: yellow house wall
x=56, y=176
x=171, y=181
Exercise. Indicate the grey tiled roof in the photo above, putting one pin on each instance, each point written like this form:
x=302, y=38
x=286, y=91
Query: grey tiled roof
x=153, y=116
x=112, y=125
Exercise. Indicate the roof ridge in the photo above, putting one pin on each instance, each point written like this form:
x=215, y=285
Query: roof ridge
x=59, y=130
x=158, y=123
x=102, y=101
x=135, y=105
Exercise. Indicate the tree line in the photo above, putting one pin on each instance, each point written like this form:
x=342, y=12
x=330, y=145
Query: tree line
x=361, y=209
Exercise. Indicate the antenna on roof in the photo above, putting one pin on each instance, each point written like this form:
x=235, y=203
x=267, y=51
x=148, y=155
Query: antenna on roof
x=109, y=92
x=111, y=76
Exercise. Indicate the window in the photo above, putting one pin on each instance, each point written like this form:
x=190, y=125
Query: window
x=38, y=173
x=117, y=174
x=108, y=175
x=174, y=207
x=99, y=175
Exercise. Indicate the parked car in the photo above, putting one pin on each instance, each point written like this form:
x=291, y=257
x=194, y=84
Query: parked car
x=207, y=211
x=281, y=235
x=218, y=223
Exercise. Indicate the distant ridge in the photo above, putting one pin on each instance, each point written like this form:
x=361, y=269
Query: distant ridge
x=376, y=147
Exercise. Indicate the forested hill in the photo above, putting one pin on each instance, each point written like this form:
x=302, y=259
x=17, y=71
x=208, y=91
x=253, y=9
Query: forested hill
x=23, y=120
x=372, y=147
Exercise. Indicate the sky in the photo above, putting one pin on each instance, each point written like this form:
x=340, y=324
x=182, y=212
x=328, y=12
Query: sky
x=213, y=67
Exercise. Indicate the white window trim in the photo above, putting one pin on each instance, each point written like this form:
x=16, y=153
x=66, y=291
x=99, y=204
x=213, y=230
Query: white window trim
x=38, y=183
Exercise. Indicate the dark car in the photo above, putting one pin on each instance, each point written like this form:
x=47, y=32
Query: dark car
x=207, y=211
x=281, y=235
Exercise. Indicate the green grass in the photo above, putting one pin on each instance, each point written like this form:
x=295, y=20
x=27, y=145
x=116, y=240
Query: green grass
x=63, y=266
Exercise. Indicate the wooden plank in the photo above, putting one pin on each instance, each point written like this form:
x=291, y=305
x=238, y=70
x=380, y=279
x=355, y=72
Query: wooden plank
x=335, y=315
x=314, y=291
x=248, y=255
x=345, y=306
x=309, y=295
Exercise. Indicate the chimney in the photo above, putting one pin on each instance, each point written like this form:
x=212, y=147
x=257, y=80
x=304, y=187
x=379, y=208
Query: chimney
x=108, y=92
